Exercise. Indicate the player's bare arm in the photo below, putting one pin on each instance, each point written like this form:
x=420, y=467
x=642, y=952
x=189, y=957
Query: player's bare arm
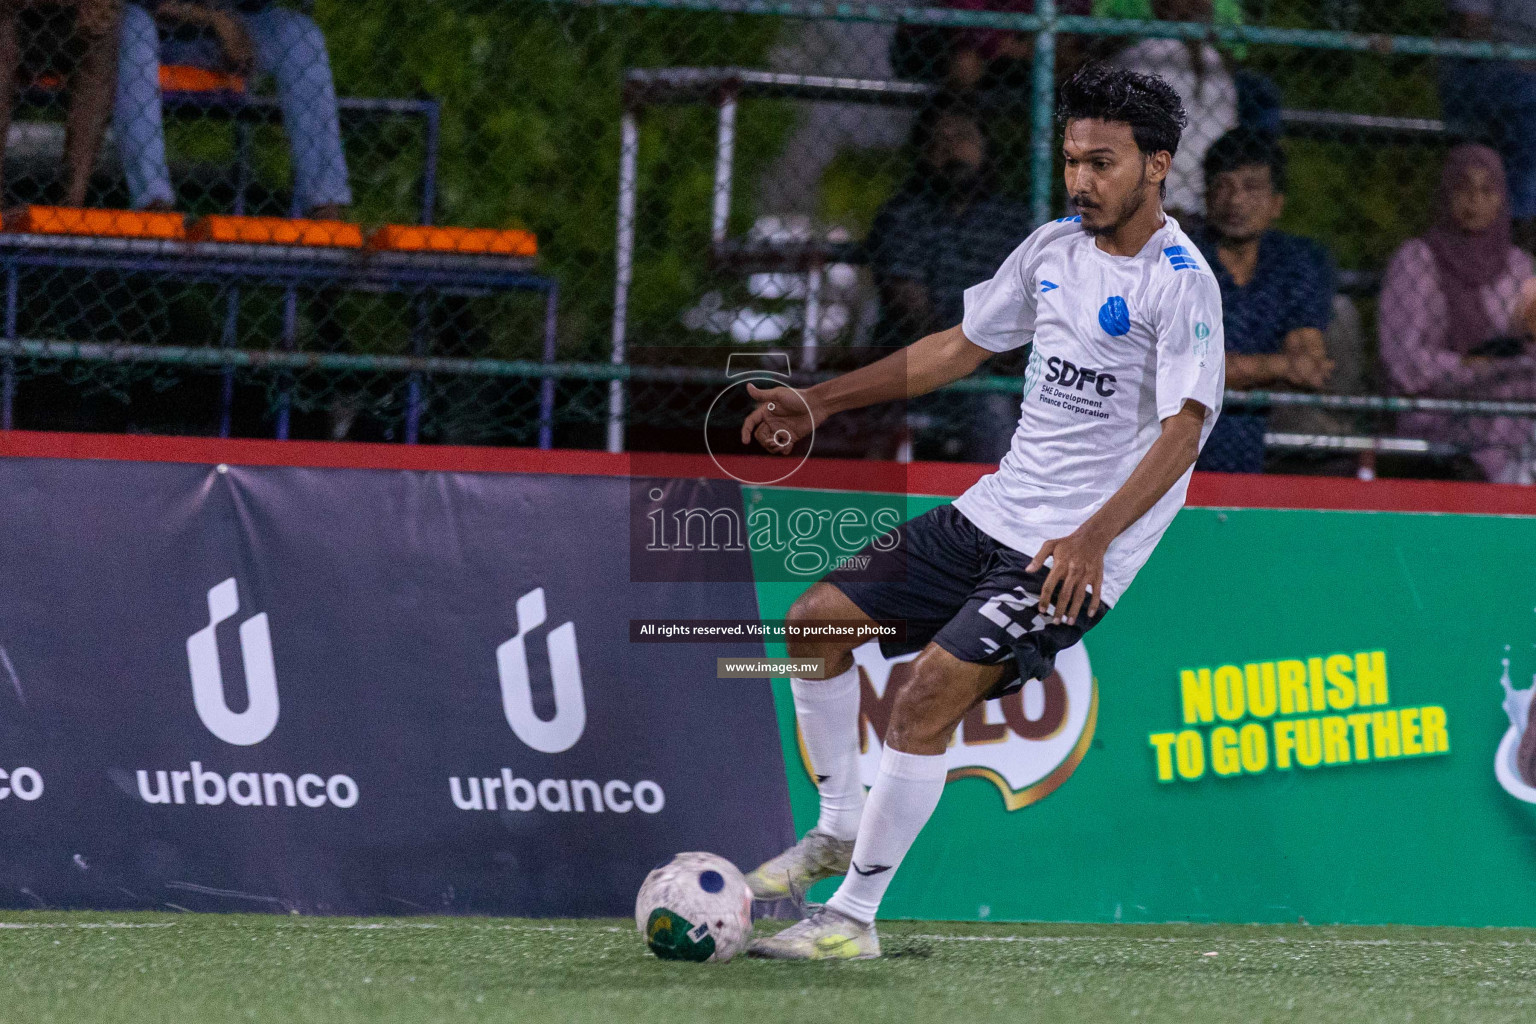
x=924, y=366
x=1077, y=561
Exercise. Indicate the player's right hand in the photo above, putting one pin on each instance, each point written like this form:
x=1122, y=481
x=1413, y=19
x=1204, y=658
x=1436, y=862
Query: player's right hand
x=781, y=419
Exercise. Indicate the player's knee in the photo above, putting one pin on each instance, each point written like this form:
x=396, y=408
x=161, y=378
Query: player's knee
x=922, y=718
x=818, y=604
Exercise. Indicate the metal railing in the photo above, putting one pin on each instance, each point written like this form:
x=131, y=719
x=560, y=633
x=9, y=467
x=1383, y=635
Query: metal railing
x=725, y=87
x=552, y=371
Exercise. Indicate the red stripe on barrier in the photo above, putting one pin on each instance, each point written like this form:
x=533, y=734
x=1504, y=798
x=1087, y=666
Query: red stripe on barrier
x=1211, y=490
x=1238, y=490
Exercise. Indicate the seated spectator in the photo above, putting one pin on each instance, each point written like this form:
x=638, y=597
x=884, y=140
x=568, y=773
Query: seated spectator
x=1495, y=100
x=1276, y=291
x=944, y=230
x=242, y=36
x=89, y=27
x=1198, y=73
x=1457, y=316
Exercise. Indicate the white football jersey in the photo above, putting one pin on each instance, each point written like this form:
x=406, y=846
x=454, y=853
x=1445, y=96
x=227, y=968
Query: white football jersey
x=1119, y=343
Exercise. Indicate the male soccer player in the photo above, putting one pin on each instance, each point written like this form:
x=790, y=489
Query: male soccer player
x=1124, y=382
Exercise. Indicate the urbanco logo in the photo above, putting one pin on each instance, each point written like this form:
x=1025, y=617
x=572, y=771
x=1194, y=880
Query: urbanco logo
x=256, y=722
x=570, y=719
x=1026, y=744
x=504, y=791
x=209, y=787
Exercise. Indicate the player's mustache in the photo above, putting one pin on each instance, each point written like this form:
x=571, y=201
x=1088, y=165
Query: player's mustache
x=1084, y=203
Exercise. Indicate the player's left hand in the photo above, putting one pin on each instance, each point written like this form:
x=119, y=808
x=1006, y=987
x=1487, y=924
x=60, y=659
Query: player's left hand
x=782, y=417
x=1076, y=576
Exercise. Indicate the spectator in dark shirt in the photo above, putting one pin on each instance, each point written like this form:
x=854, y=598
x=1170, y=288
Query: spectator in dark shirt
x=943, y=231
x=89, y=28
x=1276, y=291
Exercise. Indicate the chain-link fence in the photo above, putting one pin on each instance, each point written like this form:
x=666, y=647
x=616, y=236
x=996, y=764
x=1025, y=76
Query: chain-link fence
x=216, y=214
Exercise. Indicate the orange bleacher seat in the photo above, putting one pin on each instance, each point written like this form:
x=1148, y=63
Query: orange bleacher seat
x=173, y=78
x=276, y=231
x=180, y=78
x=69, y=220
x=415, y=238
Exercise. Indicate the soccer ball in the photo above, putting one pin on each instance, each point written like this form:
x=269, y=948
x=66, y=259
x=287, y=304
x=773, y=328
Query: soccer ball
x=697, y=907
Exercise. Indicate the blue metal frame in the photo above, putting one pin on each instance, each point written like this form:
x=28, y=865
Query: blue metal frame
x=289, y=267
x=246, y=108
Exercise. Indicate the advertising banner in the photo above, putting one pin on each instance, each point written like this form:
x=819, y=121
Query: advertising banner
x=358, y=691
x=1310, y=715
x=427, y=689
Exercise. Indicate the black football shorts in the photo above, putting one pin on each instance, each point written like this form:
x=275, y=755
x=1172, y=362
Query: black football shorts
x=970, y=594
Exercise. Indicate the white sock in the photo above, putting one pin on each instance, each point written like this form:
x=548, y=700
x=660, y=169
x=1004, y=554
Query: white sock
x=828, y=712
x=900, y=804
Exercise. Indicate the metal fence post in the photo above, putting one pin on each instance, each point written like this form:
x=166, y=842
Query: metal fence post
x=229, y=338
x=725, y=160
x=431, y=144
x=547, y=385
x=8, y=386
x=629, y=157
x=1042, y=164
x=420, y=329
x=289, y=342
x=811, y=338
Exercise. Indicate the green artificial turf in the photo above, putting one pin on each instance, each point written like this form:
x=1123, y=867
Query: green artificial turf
x=127, y=968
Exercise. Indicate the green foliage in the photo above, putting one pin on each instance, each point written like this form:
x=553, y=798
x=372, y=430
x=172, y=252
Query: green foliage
x=1362, y=195
x=530, y=97
x=531, y=106
x=857, y=183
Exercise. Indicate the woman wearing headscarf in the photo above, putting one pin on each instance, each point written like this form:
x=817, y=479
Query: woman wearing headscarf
x=1457, y=315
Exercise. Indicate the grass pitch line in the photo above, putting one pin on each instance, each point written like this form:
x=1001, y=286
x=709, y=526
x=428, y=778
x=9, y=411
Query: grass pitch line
x=1169, y=940
x=13, y=926
x=385, y=926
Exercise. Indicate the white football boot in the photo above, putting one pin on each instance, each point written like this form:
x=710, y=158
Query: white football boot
x=792, y=872
x=825, y=935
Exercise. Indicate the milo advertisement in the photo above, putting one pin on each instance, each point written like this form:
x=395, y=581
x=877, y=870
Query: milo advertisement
x=1291, y=715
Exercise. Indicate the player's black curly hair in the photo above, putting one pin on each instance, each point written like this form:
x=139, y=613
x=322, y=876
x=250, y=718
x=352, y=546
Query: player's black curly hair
x=1145, y=102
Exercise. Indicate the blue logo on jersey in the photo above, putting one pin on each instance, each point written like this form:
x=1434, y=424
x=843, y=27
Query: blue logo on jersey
x=1115, y=317
x=1180, y=258
x=1048, y=286
x=1070, y=220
